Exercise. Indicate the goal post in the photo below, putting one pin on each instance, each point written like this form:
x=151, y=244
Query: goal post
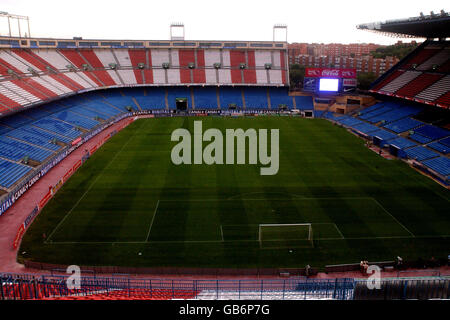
x=294, y=235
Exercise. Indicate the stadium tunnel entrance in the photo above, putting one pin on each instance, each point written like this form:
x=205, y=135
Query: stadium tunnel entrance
x=181, y=104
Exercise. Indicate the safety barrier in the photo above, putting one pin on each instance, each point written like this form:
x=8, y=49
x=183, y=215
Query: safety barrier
x=25, y=287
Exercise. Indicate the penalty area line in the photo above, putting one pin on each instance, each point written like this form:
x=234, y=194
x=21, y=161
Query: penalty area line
x=89, y=188
x=153, y=219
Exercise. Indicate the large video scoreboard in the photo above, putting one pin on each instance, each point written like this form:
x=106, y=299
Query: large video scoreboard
x=329, y=80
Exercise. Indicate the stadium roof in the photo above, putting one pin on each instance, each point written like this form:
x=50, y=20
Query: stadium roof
x=430, y=26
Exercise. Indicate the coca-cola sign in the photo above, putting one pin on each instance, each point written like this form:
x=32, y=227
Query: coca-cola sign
x=330, y=73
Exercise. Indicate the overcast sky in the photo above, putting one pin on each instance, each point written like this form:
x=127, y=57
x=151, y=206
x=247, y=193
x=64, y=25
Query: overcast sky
x=322, y=21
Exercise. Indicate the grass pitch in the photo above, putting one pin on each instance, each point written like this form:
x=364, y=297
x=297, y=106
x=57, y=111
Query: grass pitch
x=129, y=198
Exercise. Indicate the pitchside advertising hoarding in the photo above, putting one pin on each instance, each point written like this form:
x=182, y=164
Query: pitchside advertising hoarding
x=329, y=80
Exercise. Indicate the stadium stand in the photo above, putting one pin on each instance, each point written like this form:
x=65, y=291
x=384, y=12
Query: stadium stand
x=421, y=76
x=440, y=164
x=205, y=97
x=403, y=125
x=255, y=98
x=229, y=96
x=304, y=102
x=280, y=96
x=402, y=143
x=420, y=153
x=11, y=172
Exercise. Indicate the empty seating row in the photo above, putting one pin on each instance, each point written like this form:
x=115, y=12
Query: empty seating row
x=441, y=165
x=48, y=73
x=417, y=85
x=445, y=141
x=11, y=172
x=205, y=98
x=432, y=132
x=383, y=134
x=75, y=120
x=255, y=98
x=422, y=77
x=421, y=56
x=403, y=125
x=420, y=153
x=281, y=97
x=402, y=143
x=17, y=151
x=436, y=90
x=32, y=138
x=419, y=138
x=376, y=112
x=400, y=81
x=366, y=128
x=442, y=148
x=304, y=102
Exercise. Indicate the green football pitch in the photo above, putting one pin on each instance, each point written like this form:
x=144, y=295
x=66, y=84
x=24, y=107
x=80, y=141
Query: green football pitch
x=128, y=205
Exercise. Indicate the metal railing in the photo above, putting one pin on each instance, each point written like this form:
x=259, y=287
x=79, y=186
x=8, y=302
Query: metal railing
x=26, y=287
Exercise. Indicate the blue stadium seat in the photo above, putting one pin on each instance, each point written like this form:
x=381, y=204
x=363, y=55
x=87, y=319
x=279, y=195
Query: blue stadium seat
x=16, y=150
x=432, y=132
x=230, y=95
x=255, y=98
x=11, y=172
x=205, y=98
x=420, y=153
x=59, y=127
x=402, y=143
x=442, y=148
x=419, y=138
x=304, y=102
x=280, y=96
x=178, y=92
x=155, y=99
x=33, y=138
x=441, y=165
x=403, y=125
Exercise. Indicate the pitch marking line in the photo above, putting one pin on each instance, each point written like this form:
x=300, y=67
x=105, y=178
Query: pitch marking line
x=90, y=187
x=153, y=219
x=395, y=219
x=221, y=232
x=220, y=241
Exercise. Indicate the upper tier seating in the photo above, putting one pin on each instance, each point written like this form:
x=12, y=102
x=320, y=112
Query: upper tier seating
x=418, y=84
x=438, y=59
x=423, y=77
x=436, y=90
x=421, y=56
x=400, y=81
x=48, y=73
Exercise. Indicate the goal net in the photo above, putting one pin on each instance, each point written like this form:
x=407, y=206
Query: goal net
x=296, y=235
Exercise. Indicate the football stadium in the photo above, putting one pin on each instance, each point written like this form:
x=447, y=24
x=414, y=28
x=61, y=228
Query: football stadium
x=181, y=169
